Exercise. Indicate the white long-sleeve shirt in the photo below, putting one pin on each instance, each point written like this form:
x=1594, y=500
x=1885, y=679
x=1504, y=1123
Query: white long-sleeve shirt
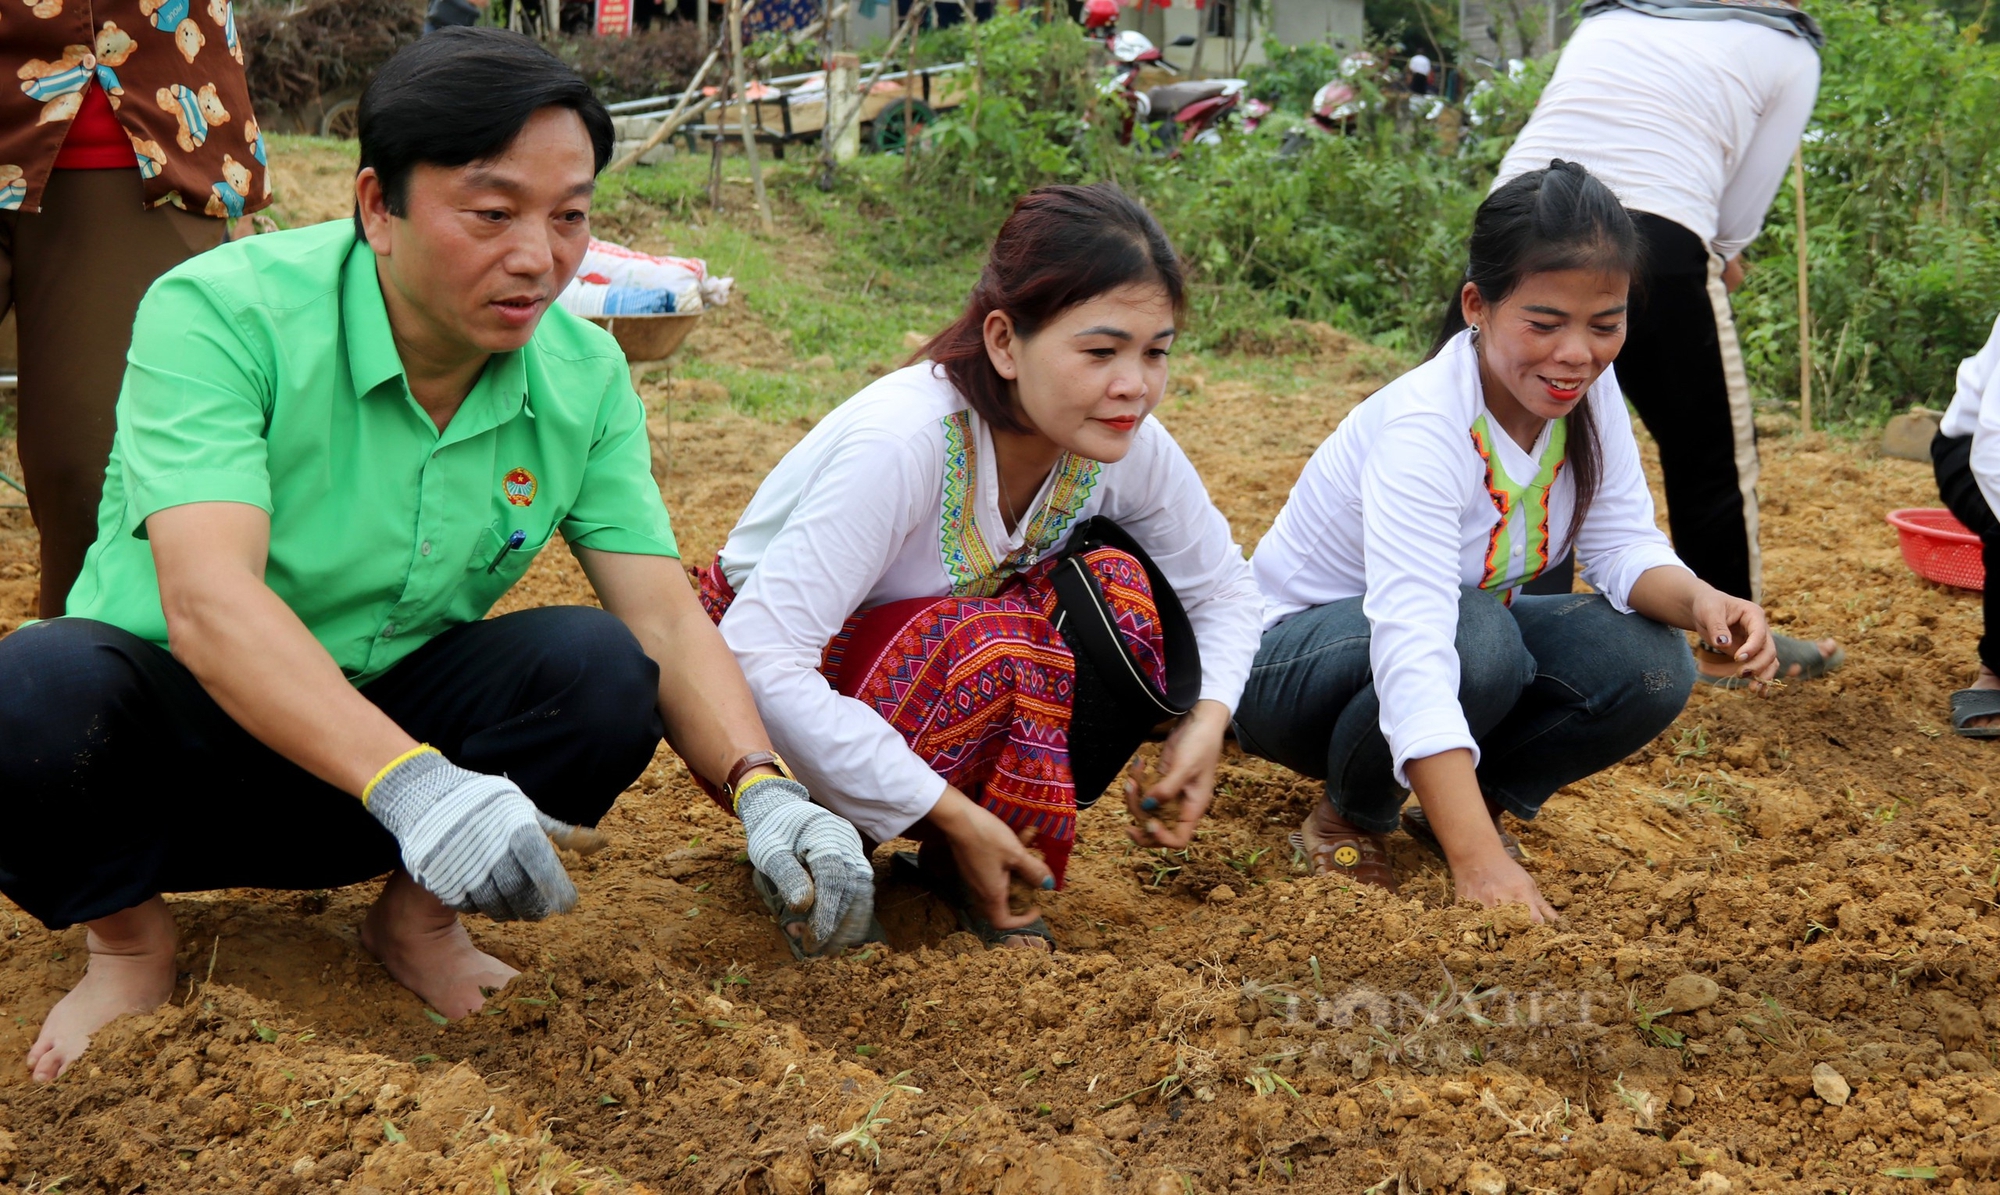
x=1975, y=412
x=1394, y=507
x=891, y=497
x=1694, y=121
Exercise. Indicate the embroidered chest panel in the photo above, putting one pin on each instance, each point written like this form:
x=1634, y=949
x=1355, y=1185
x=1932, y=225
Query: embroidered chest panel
x=1517, y=549
x=968, y=561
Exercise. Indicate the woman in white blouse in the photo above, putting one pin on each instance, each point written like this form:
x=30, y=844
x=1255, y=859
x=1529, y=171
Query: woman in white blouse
x=891, y=590
x=1398, y=651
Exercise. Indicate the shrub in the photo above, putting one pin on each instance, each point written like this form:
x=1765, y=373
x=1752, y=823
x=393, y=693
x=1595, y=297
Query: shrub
x=652, y=61
x=294, y=53
x=1367, y=231
x=1902, y=193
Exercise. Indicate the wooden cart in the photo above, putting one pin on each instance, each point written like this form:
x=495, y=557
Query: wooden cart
x=793, y=109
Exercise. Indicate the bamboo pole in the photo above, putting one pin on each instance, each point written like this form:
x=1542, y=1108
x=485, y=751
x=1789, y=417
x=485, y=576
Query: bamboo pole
x=1201, y=18
x=674, y=119
x=747, y=121
x=910, y=102
x=1805, y=305
x=854, y=113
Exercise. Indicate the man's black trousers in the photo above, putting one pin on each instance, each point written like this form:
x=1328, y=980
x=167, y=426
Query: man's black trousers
x=1683, y=372
x=120, y=778
x=1951, y=457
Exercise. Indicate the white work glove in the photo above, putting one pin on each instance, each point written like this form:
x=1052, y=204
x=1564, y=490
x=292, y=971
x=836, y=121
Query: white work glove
x=475, y=842
x=784, y=827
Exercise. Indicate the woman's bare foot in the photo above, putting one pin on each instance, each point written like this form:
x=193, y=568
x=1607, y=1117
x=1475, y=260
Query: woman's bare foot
x=131, y=969
x=418, y=938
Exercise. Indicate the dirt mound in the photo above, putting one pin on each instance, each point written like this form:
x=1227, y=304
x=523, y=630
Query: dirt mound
x=1778, y=968
x=1774, y=892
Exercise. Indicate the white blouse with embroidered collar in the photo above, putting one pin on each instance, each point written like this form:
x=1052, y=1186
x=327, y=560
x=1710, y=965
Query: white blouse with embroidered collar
x=887, y=499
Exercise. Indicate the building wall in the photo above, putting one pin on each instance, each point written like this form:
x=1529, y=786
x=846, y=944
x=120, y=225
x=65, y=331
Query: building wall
x=1293, y=22
x=1497, y=30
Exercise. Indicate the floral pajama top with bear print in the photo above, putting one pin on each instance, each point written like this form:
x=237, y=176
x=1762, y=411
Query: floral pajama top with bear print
x=172, y=71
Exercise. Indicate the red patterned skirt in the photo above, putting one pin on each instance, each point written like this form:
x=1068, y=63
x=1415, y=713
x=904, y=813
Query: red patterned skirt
x=981, y=688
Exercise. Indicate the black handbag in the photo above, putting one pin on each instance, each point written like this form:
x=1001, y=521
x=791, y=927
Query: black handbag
x=1115, y=704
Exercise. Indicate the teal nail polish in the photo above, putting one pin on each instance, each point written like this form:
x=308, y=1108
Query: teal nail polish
x=1149, y=804
x=1048, y=883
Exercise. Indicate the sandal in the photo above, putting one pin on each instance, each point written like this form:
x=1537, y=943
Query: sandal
x=1343, y=850
x=1418, y=826
x=1967, y=704
x=951, y=891
x=775, y=902
x=1802, y=654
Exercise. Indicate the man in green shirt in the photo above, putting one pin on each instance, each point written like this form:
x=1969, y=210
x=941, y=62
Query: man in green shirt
x=336, y=448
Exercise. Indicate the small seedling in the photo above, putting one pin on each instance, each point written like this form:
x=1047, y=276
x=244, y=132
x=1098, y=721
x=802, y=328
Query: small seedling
x=1246, y=861
x=861, y=1135
x=1647, y=1019
x=1265, y=1081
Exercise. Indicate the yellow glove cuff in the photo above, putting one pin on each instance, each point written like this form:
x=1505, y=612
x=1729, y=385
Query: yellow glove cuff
x=736, y=801
x=392, y=765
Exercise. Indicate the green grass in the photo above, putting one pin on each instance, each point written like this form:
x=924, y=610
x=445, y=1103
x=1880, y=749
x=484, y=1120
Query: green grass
x=813, y=283
x=822, y=284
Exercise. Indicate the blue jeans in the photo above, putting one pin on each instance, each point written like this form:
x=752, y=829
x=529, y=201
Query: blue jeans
x=1554, y=689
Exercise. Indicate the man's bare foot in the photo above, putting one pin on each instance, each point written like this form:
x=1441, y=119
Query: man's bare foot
x=420, y=941
x=131, y=969
x=1987, y=680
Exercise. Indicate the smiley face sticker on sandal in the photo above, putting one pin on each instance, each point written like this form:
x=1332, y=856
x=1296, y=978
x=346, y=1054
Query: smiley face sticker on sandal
x=1346, y=856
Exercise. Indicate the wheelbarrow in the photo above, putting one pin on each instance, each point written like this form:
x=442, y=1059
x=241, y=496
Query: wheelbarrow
x=647, y=340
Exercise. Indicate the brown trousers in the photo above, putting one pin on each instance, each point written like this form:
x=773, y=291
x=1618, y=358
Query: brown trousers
x=74, y=274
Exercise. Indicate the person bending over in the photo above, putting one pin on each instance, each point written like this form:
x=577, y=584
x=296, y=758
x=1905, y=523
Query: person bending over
x=1966, y=456
x=943, y=597
x=1398, y=650
x=1689, y=111
x=337, y=447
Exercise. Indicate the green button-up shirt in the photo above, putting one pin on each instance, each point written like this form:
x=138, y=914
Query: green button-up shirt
x=264, y=372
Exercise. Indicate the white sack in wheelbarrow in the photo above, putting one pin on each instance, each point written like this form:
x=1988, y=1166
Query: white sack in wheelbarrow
x=686, y=278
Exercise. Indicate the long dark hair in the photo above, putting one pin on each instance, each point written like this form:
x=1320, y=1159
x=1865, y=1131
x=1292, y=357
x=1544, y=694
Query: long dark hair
x=1561, y=218
x=1059, y=247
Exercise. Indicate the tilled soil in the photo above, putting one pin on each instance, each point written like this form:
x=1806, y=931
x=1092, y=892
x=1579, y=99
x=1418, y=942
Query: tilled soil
x=1776, y=969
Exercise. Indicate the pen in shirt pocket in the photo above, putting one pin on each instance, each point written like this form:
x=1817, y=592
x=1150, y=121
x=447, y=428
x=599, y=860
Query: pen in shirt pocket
x=513, y=541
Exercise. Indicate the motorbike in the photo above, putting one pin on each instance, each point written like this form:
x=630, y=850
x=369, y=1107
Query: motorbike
x=1336, y=106
x=1176, y=114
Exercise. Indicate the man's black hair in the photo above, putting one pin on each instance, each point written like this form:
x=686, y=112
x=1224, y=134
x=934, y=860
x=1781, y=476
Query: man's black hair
x=462, y=95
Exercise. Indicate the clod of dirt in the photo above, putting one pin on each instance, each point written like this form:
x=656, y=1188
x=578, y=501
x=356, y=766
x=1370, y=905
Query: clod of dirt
x=1691, y=993
x=1119, y=1124
x=1221, y=894
x=1481, y=1178
x=1713, y=1182
x=1830, y=1086
x=10, y=1153
x=1958, y=1023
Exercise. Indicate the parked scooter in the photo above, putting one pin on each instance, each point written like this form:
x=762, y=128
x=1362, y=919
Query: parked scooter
x=1336, y=106
x=1173, y=114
